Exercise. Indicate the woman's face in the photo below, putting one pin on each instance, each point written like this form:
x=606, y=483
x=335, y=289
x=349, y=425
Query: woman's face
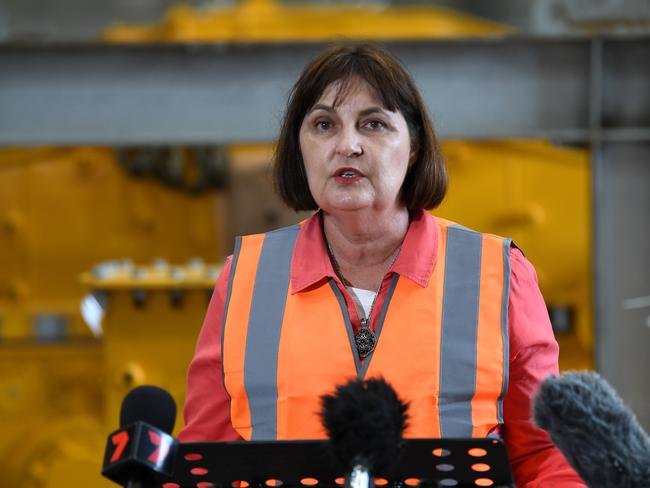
x=356, y=153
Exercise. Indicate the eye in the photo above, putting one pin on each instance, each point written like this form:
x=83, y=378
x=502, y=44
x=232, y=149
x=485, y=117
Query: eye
x=323, y=125
x=376, y=124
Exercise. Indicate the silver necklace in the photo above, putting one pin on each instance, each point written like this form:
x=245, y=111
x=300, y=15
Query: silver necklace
x=365, y=339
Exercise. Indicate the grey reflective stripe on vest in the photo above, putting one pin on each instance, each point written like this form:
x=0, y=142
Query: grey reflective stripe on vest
x=348, y=325
x=504, y=325
x=264, y=327
x=233, y=267
x=459, y=336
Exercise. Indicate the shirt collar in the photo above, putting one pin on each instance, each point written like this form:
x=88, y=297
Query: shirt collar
x=311, y=263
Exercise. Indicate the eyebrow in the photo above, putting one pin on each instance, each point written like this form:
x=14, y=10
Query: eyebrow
x=373, y=110
x=366, y=111
x=320, y=106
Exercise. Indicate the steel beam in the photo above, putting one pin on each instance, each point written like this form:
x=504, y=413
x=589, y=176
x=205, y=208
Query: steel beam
x=196, y=94
x=622, y=261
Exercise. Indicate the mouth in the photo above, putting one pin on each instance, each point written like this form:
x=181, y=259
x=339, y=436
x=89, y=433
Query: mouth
x=348, y=173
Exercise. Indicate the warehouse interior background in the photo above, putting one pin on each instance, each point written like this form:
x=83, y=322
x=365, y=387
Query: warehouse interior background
x=135, y=140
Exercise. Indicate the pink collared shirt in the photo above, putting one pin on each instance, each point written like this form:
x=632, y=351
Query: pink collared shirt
x=533, y=349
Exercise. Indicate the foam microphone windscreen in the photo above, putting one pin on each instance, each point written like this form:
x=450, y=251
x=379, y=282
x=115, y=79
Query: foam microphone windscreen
x=365, y=421
x=149, y=404
x=596, y=432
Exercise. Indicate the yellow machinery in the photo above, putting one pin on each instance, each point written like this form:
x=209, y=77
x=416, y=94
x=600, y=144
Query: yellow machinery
x=51, y=411
x=271, y=21
x=153, y=317
x=64, y=210
x=72, y=392
x=61, y=211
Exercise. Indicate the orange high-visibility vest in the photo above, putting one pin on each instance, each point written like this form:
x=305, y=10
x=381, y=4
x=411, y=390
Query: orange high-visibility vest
x=444, y=347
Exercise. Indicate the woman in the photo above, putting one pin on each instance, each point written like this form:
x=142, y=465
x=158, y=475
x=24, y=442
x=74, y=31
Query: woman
x=372, y=285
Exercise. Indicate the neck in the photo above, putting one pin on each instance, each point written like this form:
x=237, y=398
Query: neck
x=365, y=245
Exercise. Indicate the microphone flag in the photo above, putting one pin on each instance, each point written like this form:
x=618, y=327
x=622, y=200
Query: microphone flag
x=138, y=447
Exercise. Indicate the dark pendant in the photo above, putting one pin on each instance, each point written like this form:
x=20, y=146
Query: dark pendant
x=365, y=340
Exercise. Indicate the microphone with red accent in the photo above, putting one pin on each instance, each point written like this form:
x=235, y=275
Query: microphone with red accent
x=143, y=446
x=365, y=421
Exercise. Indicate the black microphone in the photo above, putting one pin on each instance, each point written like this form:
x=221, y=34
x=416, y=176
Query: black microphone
x=149, y=404
x=365, y=421
x=599, y=436
x=143, y=446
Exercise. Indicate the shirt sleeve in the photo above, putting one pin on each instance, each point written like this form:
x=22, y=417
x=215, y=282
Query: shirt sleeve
x=536, y=462
x=207, y=404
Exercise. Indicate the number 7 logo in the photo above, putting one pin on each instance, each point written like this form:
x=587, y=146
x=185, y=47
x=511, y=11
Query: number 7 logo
x=162, y=447
x=120, y=440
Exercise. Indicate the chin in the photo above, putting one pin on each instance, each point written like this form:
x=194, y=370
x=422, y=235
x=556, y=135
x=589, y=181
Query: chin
x=347, y=205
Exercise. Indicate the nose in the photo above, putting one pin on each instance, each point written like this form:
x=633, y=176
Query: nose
x=349, y=143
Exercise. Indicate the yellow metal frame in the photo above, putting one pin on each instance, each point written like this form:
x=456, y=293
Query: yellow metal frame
x=271, y=21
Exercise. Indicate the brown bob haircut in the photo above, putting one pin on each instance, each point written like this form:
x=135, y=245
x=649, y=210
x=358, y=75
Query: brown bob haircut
x=425, y=184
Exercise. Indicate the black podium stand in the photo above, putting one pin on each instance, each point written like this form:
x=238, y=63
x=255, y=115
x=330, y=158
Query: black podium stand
x=422, y=462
